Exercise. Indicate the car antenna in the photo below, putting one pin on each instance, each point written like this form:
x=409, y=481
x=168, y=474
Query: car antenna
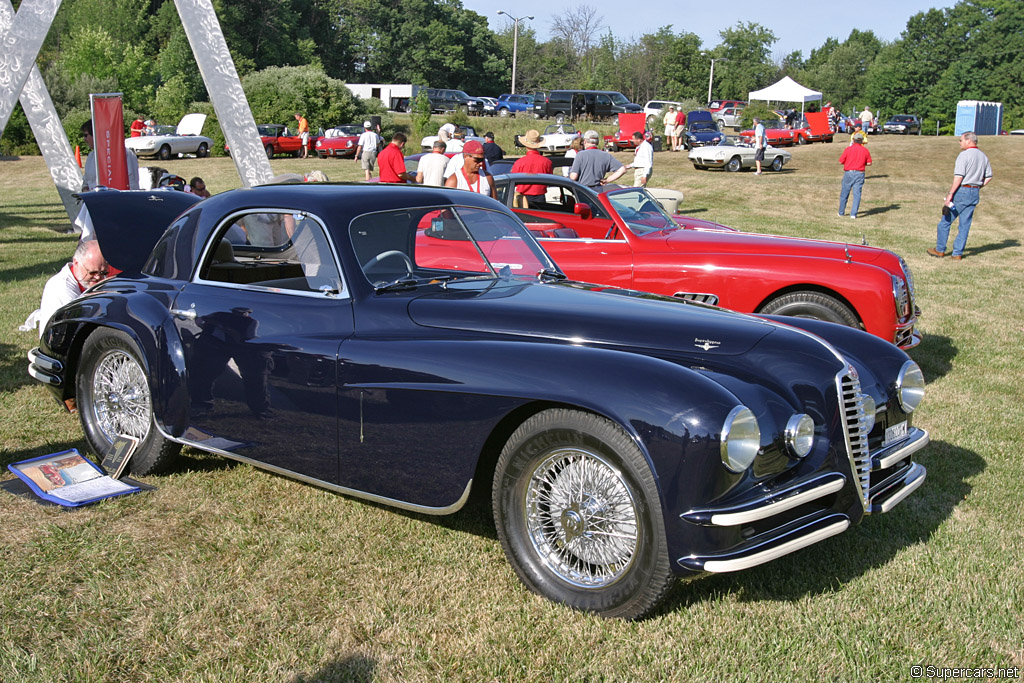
x=864, y=238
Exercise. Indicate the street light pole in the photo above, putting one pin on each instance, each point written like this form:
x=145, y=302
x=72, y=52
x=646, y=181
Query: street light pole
x=711, y=78
x=515, y=43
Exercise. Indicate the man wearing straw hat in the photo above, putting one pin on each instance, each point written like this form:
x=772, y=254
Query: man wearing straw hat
x=533, y=162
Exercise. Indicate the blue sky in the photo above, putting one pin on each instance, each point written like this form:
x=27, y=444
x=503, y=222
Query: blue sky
x=798, y=25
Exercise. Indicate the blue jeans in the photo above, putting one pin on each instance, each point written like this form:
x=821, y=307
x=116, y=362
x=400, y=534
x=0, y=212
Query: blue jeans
x=964, y=201
x=851, y=180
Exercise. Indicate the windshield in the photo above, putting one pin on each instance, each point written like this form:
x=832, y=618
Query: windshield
x=619, y=98
x=704, y=125
x=641, y=212
x=423, y=246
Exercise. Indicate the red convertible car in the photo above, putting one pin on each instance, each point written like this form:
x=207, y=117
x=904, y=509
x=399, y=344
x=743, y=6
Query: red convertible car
x=340, y=141
x=623, y=138
x=623, y=238
x=278, y=139
x=776, y=132
x=813, y=128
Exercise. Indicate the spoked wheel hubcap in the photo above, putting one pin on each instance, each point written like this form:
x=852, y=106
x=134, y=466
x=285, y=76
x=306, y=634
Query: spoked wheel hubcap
x=582, y=518
x=121, y=401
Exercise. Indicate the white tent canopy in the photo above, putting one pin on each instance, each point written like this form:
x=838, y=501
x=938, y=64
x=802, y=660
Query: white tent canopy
x=786, y=90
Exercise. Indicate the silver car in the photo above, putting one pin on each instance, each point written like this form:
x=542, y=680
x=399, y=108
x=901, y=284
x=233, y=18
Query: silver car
x=733, y=155
x=170, y=141
x=731, y=117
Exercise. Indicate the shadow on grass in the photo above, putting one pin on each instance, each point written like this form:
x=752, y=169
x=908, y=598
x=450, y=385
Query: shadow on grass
x=36, y=216
x=35, y=270
x=995, y=246
x=827, y=566
x=878, y=209
x=14, y=374
x=355, y=668
x=7, y=457
x=935, y=355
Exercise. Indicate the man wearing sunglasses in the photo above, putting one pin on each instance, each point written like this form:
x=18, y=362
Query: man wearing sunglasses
x=87, y=267
x=472, y=176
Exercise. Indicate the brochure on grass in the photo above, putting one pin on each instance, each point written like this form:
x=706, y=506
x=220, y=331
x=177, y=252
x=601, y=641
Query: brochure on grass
x=67, y=478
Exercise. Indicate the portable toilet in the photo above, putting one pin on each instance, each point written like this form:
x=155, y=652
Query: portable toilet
x=984, y=118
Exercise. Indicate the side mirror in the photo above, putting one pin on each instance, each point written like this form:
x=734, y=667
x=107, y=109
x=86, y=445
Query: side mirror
x=582, y=210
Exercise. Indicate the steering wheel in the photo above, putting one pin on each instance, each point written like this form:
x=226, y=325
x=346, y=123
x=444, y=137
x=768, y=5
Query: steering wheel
x=390, y=254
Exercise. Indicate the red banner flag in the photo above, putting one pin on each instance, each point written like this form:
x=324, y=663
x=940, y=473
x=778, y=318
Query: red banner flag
x=108, y=136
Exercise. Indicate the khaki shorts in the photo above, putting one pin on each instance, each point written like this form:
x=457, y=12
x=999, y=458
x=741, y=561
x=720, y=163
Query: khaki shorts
x=368, y=159
x=641, y=176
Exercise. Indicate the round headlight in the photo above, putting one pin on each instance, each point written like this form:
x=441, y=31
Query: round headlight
x=800, y=434
x=869, y=412
x=741, y=439
x=910, y=386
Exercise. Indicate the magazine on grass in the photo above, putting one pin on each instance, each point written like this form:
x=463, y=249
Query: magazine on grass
x=69, y=479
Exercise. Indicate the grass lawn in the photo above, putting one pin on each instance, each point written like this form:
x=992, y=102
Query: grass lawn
x=228, y=573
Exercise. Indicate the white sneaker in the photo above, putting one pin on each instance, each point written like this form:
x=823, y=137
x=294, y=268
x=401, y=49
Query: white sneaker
x=853, y=216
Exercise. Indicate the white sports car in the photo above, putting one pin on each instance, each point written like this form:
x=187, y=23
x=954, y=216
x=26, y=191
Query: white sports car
x=733, y=154
x=170, y=141
x=468, y=132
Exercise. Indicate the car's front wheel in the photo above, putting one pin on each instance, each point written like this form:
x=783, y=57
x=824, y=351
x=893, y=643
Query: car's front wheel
x=814, y=305
x=734, y=165
x=578, y=515
x=269, y=149
x=503, y=112
x=114, y=399
x=165, y=153
x=203, y=151
x=777, y=163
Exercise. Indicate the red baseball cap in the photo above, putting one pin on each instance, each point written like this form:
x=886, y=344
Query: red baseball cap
x=473, y=147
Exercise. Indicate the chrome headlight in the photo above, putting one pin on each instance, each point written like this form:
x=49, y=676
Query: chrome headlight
x=870, y=408
x=901, y=296
x=910, y=386
x=800, y=434
x=741, y=439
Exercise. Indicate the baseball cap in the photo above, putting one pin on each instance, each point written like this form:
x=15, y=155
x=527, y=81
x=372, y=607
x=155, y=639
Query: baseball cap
x=473, y=147
x=858, y=137
x=367, y=124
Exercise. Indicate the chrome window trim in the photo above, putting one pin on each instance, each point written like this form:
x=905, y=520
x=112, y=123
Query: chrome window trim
x=343, y=293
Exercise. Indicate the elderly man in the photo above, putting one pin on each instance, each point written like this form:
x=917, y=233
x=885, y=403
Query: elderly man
x=87, y=267
x=643, y=160
x=855, y=160
x=971, y=172
x=472, y=176
x=591, y=165
x=533, y=162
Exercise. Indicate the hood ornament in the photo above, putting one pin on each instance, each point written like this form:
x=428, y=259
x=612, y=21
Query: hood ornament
x=706, y=344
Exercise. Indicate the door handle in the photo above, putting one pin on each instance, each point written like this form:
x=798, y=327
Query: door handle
x=184, y=314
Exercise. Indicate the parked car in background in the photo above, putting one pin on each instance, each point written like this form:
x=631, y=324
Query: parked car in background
x=622, y=237
x=278, y=139
x=170, y=141
x=623, y=138
x=734, y=154
x=655, y=111
x=489, y=106
x=700, y=129
x=717, y=105
x=510, y=105
x=729, y=117
x=903, y=124
x=574, y=104
x=340, y=141
x=775, y=133
x=557, y=138
x=414, y=346
x=469, y=133
x=443, y=100
x=813, y=127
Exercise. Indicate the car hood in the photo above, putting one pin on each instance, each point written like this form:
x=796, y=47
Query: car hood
x=591, y=315
x=718, y=242
x=129, y=224
x=191, y=124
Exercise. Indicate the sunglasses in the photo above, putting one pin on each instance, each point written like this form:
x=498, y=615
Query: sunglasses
x=478, y=160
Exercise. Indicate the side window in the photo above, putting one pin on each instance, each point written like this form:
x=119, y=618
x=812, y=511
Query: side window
x=273, y=249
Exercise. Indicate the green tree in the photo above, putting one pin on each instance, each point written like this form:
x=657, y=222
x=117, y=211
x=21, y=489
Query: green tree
x=747, y=49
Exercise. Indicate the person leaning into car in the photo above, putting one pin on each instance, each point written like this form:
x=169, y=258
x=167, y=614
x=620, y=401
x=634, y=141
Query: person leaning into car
x=592, y=164
x=392, y=162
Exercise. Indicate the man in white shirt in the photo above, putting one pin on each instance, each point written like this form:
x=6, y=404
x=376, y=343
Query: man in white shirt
x=91, y=183
x=366, y=149
x=643, y=160
x=431, y=167
x=456, y=144
x=87, y=267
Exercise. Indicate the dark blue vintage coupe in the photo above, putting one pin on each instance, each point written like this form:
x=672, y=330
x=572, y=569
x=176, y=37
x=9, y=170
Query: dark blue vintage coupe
x=407, y=345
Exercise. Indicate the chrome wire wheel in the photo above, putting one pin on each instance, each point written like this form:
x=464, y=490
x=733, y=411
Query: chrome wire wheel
x=120, y=397
x=581, y=518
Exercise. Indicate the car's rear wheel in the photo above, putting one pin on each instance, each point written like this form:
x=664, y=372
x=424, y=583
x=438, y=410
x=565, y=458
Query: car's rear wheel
x=734, y=165
x=165, y=153
x=503, y=112
x=814, y=305
x=203, y=151
x=114, y=399
x=777, y=163
x=269, y=149
x=578, y=515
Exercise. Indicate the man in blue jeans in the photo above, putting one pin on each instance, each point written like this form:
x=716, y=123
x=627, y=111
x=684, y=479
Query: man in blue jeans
x=971, y=172
x=854, y=159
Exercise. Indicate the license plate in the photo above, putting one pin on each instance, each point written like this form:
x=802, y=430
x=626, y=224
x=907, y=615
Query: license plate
x=895, y=433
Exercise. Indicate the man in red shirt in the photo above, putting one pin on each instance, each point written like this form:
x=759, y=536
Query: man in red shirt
x=533, y=162
x=392, y=162
x=854, y=159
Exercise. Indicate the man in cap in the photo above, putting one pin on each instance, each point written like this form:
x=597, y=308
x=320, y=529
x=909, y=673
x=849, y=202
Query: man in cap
x=492, y=152
x=472, y=176
x=366, y=149
x=671, y=123
x=854, y=160
x=533, y=162
x=591, y=165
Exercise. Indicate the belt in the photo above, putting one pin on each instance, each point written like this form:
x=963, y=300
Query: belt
x=978, y=186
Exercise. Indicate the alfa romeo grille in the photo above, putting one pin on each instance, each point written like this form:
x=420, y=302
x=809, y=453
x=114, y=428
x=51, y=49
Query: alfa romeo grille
x=854, y=429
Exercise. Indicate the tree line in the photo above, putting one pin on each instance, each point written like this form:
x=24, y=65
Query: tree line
x=296, y=55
